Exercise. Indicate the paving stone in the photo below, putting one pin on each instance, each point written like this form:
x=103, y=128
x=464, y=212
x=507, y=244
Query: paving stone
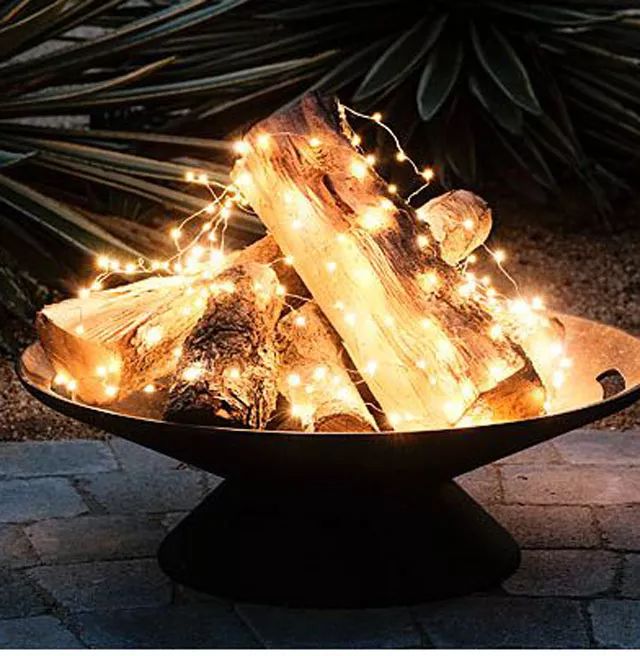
x=18, y=596
x=43, y=632
x=548, y=526
x=544, y=452
x=134, y=457
x=185, y=595
x=145, y=492
x=171, y=520
x=210, y=626
x=501, y=622
x=616, y=623
x=570, y=485
x=211, y=481
x=600, y=447
x=331, y=629
x=15, y=549
x=105, y=585
x=631, y=576
x=620, y=526
x=38, y=498
x=570, y=573
x=482, y=484
x=24, y=459
x=95, y=537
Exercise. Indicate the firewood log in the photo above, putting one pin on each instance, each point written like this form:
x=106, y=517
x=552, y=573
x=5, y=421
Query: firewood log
x=459, y=220
x=421, y=342
x=228, y=369
x=313, y=375
x=118, y=340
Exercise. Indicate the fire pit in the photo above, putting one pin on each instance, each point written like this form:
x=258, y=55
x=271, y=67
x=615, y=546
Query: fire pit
x=352, y=520
x=338, y=373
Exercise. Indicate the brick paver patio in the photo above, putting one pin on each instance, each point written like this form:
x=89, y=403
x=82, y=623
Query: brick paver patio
x=80, y=523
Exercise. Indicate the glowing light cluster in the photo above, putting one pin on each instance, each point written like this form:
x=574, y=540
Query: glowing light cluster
x=200, y=256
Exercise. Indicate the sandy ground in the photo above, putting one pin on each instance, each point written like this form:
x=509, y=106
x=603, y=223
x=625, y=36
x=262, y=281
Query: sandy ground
x=579, y=271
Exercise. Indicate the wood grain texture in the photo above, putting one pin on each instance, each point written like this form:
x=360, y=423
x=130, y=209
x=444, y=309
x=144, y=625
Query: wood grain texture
x=228, y=369
x=314, y=377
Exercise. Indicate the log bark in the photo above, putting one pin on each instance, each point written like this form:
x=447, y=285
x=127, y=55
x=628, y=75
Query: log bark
x=228, y=369
x=392, y=297
x=118, y=340
x=314, y=377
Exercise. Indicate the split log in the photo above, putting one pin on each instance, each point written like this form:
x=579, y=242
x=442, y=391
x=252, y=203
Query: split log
x=459, y=220
x=422, y=344
x=313, y=375
x=227, y=372
x=116, y=341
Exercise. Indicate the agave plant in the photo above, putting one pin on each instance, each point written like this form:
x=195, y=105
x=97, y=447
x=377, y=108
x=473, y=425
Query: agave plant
x=489, y=86
x=483, y=89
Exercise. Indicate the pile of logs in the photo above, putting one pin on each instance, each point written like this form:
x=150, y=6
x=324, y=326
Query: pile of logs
x=353, y=314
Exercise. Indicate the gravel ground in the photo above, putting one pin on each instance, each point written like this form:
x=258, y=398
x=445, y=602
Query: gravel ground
x=578, y=271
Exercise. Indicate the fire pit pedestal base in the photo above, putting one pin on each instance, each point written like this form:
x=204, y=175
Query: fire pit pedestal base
x=334, y=547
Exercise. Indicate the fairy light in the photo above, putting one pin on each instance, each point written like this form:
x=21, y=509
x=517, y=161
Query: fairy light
x=111, y=391
x=101, y=371
x=429, y=281
x=374, y=219
x=192, y=373
x=331, y=266
x=358, y=169
x=79, y=329
x=428, y=174
x=153, y=336
x=499, y=256
x=60, y=379
x=314, y=142
x=392, y=188
x=294, y=380
x=189, y=176
x=319, y=373
x=422, y=241
x=376, y=116
x=370, y=159
x=263, y=140
x=149, y=389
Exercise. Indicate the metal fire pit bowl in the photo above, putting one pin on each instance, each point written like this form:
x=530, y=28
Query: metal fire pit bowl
x=349, y=520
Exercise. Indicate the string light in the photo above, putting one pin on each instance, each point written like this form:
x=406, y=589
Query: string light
x=192, y=373
x=204, y=263
x=358, y=169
